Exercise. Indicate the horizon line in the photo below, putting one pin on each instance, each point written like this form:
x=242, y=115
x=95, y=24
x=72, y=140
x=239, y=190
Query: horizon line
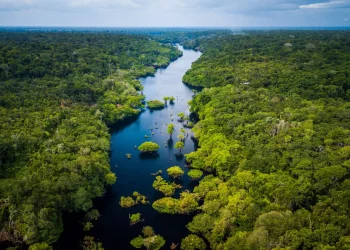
x=180, y=27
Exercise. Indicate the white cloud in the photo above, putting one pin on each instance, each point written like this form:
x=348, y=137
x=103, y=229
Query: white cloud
x=242, y=6
x=205, y=13
x=233, y=6
x=68, y=4
x=327, y=5
x=104, y=3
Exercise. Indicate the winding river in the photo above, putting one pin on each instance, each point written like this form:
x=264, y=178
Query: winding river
x=113, y=228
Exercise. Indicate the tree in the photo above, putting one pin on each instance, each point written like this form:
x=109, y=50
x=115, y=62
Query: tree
x=150, y=241
x=148, y=231
x=40, y=246
x=172, y=99
x=89, y=243
x=155, y=104
x=182, y=130
x=166, y=98
x=171, y=129
x=181, y=137
x=186, y=204
x=168, y=189
x=195, y=174
x=175, y=172
x=193, y=242
x=181, y=115
x=179, y=145
x=110, y=178
x=127, y=202
x=135, y=218
x=148, y=147
x=140, y=198
x=94, y=214
x=166, y=205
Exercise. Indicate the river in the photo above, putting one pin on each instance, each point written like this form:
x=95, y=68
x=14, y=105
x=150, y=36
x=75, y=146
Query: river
x=113, y=228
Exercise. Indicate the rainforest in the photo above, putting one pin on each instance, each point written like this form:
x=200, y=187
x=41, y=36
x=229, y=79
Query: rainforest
x=187, y=139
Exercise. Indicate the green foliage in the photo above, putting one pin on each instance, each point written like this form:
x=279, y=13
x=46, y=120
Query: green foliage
x=155, y=242
x=148, y=231
x=89, y=243
x=137, y=242
x=262, y=59
x=40, y=246
x=171, y=129
x=92, y=215
x=171, y=99
x=175, y=172
x=278, y=146
x=140, y=198
x=58, y=91
x=193, y=242
x=110, y=178
x=181, y=137
x=195, y=174
x=87, y=226
x=181, y=115
x=127, y=202
x=149, y=241
x=186, y=204
x=155, y=104
x=166, y=205
x=148, y=147
x=179, y=145
x=168, y=189
x=135, y=218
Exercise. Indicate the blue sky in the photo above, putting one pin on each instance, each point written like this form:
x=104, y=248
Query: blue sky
x=179, y=13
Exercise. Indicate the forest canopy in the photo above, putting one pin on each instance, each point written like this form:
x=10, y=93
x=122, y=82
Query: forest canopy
x=58, y=93
x=274, y=132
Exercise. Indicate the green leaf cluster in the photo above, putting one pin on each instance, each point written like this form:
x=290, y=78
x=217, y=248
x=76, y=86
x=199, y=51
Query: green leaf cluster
x=175, y=172
x=148, y=147
x=161, y=185
x=149, y=240
x=186, y=204
x=155, y=104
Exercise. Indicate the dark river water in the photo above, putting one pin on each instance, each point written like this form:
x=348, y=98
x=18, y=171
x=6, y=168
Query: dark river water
x=113, y=227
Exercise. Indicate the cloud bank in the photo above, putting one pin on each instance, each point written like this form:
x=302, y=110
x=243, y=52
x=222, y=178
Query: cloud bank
x=222, y=13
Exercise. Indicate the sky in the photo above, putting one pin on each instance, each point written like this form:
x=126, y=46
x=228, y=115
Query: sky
x=175, y=13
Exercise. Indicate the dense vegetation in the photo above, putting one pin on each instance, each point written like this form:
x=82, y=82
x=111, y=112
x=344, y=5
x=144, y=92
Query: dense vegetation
x=57, y=93
x=149, y=240
x=274, y=135
x=163, y=35
x=155, y=104
x=274, y=131
x=312, y=64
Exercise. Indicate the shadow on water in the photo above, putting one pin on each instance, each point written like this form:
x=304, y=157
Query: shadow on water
x=179, y=157
x=147, y=156
x=125, y=123
x=170, y=143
